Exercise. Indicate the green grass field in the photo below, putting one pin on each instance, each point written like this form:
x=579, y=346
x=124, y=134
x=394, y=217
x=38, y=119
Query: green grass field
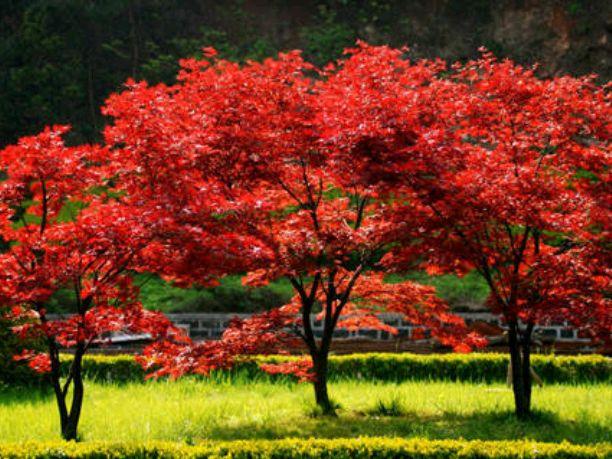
x=193, y=410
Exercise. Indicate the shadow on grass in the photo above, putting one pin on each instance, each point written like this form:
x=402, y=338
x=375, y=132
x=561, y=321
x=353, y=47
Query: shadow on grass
x=22, y=394
x=544, y=426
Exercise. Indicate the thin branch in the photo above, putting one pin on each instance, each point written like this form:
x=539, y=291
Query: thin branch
x=43, y=221
x=360, y=210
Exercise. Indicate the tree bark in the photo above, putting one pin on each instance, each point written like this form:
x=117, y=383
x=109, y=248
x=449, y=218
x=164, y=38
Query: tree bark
x=55, y=377
x=69, y=419
x=70, y=428
x=320, y=365
x=520, y=363
x=318, y=354
x=526, y=369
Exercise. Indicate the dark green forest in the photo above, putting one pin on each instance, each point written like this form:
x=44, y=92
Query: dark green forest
x=60, y=59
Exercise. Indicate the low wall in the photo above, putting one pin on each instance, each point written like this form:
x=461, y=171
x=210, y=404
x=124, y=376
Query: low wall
x=212, y=325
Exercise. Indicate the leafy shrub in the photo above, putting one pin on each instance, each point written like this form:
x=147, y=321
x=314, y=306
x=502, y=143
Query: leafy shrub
x=462, y=367
x=312, y=448
x=13, y=372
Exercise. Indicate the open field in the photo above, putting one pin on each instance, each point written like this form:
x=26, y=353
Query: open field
x=191, y=411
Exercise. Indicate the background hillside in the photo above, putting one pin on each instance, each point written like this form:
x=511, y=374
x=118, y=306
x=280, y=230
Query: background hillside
x=59, y=59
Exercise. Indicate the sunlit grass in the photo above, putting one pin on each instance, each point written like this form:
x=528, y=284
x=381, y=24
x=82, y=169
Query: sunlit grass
x=191, y=411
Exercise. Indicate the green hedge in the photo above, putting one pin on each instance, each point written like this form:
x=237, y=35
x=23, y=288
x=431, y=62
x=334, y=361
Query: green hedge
x=290, y=448
x=393, y=367
x=469, y=367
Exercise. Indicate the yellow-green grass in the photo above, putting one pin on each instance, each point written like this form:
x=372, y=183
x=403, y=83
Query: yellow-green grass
x=194, y=410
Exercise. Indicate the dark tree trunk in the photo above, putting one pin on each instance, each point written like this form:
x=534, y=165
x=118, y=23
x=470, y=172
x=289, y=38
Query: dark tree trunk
x=70, y=429
x=57, y=387
x=320, y=364
x=318, y=354
x=520, y=362
x=526, y=369
x=69, y=420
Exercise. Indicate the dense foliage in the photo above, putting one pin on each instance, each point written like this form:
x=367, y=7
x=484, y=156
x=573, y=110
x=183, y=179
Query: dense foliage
x=13, y=372
x=273, y=168
x=59, y=60
x=473, y=367
x=330, y=179
x=312, y=449
x=87, y=252
x=510, y=172
x=231, y=163
x=461, y=293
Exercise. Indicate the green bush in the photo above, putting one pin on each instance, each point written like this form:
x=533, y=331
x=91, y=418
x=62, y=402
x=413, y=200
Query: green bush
x=12, y=372
x=109, y=368
x=391, y=367
x=229, y=296
x=468, y=367
x=462, y=293
x=312, y=448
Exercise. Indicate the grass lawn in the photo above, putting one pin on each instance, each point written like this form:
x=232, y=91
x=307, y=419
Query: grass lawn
x=191, y=410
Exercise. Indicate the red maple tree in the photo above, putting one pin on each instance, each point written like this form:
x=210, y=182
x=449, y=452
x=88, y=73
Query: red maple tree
x=505, y=173
x=65, y=236
x=231, y=158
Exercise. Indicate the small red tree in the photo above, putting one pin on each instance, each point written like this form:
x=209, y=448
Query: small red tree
x=55, y=245
x=507, y=174
x=252, y=186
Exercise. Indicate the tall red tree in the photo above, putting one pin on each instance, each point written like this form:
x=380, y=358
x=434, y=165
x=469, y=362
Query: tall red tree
x=506, y=173
x=64, y=237
x=251, y=186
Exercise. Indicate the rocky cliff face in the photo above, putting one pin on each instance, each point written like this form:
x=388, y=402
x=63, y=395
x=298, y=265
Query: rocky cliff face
x=563, y=36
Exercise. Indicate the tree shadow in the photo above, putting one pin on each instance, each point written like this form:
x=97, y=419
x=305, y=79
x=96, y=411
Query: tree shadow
x=10, y=395
x=544, y=426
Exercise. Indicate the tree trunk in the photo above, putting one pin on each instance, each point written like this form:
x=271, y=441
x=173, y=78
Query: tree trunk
x=57, y=388
x=320, y=364
x=134, y=37
x=69, y=420
x=520, y=364
x=526, y=369
x=70, y=430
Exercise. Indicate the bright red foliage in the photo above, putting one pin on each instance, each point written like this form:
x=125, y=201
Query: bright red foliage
x=330, y=178
x=518, y=168
x=64, y=236
x=501, y=171
x=233, y=160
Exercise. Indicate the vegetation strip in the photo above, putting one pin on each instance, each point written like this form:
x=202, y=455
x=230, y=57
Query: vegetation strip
x=313, y=448
x=392, y=367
